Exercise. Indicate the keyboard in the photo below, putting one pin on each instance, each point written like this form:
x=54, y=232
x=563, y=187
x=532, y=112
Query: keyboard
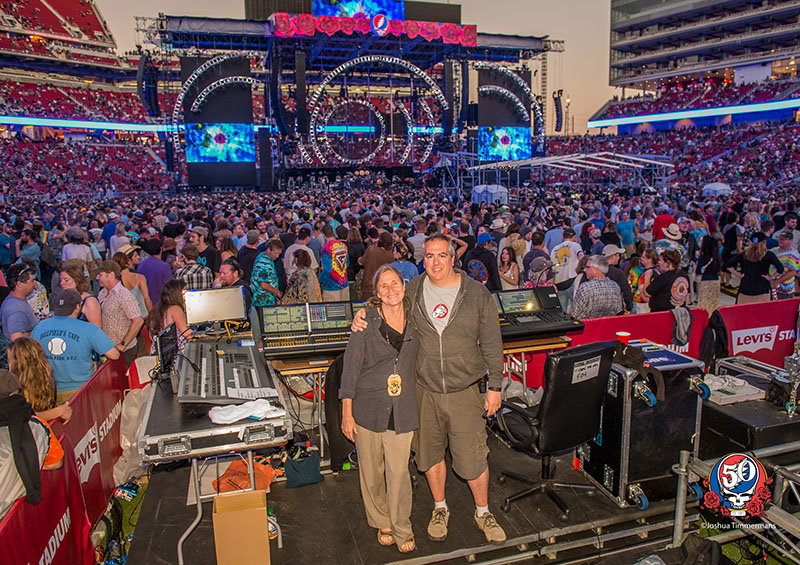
x=217, y=373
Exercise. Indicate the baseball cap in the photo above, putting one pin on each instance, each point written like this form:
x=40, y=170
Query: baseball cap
x=199, y=230
x=612, y=249
x=110, y=267
x=594, y=232
x=66, y=302
x=483, y=238
x=9, y=383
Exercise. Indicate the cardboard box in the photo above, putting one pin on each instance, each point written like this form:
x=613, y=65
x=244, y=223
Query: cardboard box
x=241, y=531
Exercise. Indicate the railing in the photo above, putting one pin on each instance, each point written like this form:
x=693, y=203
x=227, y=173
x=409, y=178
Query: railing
x=706, y=23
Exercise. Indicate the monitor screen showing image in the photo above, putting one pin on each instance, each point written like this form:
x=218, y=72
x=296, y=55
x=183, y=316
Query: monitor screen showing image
x=392, y=9
x=215, y=305
x=518, y=301
x=504, y=143
x=220, y=143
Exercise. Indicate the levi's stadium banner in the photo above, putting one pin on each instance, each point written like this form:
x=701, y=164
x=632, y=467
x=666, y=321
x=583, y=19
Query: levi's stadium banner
x=286, y=25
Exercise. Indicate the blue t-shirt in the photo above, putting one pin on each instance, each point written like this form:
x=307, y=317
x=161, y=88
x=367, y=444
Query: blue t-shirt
x=625, y=230
x=16, y=315
x=407, y=269
x=68, y=345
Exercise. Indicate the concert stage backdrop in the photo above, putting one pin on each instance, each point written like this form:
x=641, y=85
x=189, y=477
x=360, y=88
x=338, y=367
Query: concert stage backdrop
x=219, y=140
x=392, y=9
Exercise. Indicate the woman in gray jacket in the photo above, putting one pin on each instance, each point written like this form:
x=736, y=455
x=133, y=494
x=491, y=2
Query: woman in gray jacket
x=379, y=408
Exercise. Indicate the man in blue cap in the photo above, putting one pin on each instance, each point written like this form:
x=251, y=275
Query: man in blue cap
x=481, y=264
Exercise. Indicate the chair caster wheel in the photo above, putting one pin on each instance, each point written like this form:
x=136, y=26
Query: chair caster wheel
x=641, y=501
x=501, y=479
x=506, y=507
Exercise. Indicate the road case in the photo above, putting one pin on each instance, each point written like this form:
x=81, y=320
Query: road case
x=645, y=424
x=171, y=431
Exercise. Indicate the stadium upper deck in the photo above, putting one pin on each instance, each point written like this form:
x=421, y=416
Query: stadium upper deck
x=653, y=40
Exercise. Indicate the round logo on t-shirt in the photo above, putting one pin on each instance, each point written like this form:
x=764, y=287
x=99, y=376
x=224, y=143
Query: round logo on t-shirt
x=680, y=289
x=56, y=346
x=477, y=270
x=439, y=311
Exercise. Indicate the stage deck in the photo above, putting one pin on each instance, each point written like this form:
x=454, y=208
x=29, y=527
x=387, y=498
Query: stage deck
x=325, y=522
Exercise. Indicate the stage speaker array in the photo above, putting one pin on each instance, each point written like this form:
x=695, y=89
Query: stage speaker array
x=300, y=92
x=450, y=95
x=275, y=95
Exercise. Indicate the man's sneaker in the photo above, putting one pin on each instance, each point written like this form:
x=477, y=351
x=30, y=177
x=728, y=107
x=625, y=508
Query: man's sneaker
x=437, y=527
x=490, y=528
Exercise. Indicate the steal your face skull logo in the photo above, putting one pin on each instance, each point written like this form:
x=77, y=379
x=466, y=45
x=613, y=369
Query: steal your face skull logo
x=737, y=486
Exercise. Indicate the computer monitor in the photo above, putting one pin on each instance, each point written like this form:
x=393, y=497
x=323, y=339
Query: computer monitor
x=282, y=319
x=330, y=316
x=166, y=348
x=215, y=305
x=518, y=301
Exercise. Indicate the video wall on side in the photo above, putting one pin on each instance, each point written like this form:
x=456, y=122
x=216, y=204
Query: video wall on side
x=220, y=143
x=218, y=137
x=392, y=9
x=504, y=143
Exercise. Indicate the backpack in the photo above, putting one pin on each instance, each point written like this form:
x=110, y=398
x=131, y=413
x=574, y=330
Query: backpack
x=47, y=258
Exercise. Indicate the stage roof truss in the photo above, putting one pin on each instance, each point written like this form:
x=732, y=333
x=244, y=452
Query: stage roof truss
x=592, y=161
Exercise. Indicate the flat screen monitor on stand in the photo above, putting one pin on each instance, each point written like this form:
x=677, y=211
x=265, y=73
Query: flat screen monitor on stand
x=214, y=306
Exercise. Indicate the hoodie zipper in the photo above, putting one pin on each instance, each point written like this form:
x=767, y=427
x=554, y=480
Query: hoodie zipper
x=456, y=304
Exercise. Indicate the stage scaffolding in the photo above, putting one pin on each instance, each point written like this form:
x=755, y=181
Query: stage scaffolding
x=622, y=171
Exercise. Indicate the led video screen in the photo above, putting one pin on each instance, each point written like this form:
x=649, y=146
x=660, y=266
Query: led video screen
x=220, y=143
x=392, y=9
x=504, y=143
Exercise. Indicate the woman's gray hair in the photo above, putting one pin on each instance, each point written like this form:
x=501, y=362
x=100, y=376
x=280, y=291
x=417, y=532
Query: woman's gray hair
x=374, y=301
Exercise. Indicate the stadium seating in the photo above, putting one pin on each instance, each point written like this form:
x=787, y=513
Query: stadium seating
x=84, y=168
x=692, y=97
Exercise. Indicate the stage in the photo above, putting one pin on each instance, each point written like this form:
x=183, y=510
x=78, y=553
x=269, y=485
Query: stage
x=325, y=522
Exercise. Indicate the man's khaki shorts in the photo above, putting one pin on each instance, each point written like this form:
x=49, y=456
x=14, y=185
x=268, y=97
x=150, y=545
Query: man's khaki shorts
x=454, y=419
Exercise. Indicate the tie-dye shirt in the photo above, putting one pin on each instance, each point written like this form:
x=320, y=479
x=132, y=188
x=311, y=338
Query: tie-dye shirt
x=333, y=275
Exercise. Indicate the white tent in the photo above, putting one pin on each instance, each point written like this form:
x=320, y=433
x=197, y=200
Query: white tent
x=490, y=193
x=716, y=189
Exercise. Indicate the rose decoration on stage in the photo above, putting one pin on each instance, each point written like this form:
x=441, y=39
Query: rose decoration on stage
x=362, y=25
x=305, y=24
x=430, y=31
x=328, y=24
x=451, y=33
x=282, y=25
x=347, y=25
x=469, y=36
x=396, y=27
x=412, y=29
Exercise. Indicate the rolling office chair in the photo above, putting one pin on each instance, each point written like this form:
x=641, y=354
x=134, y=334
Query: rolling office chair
x=568, y=416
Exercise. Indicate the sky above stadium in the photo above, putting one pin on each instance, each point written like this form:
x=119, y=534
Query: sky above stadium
x=582, y=71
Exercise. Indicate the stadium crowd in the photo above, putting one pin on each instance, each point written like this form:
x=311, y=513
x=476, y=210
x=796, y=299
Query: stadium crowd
x=316, y=244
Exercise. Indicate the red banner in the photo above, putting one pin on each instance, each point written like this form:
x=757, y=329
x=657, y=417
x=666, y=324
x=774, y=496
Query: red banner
x=55, y=531
x=285, y=25
x=94, y=434
x=765, y=331
x=656, y=326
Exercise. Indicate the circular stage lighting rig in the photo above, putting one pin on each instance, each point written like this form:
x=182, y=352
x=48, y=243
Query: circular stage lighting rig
x=381, y=137
x=177, y=109
x=507, y=95
x=315, y=106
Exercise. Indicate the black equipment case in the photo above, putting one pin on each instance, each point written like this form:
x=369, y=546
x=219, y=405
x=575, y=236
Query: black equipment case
x=644, y=426
x=171, y=430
